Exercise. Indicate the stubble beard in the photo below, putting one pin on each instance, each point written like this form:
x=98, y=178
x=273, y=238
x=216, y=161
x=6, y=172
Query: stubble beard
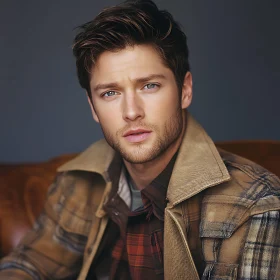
x=173, y=128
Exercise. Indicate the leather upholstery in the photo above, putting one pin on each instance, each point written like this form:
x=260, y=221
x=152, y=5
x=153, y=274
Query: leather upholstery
x=23, y=187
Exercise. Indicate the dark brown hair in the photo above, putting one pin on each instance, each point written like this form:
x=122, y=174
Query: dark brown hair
x=131, y=23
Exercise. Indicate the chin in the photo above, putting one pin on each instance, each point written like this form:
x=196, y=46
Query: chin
x=137, y=160
x=143, y=155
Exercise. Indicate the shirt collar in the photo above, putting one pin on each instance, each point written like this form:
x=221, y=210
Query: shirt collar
x=156, y=191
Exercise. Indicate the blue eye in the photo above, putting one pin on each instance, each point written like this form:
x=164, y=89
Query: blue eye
x=109, y=93
x=150, y=86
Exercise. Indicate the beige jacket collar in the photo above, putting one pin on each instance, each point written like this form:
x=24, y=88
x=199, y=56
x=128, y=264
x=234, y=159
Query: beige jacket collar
x=198, y=165
x=96, y=158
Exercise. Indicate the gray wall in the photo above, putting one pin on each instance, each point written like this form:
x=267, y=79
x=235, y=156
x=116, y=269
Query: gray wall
x=235, y=55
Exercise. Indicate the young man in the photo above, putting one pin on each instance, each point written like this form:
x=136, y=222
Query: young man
x=156, y=200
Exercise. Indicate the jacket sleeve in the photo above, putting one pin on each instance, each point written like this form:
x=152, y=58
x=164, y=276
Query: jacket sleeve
x=52, y=249
x=261, y=255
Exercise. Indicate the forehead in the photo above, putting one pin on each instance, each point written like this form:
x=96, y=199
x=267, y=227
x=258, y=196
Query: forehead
x=131, y=62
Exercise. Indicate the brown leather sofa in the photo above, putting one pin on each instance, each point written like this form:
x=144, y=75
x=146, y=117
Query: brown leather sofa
x=23, y=187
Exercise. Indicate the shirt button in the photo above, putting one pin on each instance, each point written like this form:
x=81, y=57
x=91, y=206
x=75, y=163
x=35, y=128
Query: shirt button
x=116, y=213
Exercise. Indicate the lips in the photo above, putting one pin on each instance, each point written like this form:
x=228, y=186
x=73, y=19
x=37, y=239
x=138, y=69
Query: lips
x=136, y=135
x=135, y=132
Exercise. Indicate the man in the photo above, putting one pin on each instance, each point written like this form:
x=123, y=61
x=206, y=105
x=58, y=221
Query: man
x=156, y=200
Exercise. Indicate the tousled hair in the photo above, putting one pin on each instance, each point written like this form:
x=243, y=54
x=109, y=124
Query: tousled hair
x=134, y=22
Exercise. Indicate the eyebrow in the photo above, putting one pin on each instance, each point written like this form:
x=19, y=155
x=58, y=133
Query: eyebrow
x=137, y=80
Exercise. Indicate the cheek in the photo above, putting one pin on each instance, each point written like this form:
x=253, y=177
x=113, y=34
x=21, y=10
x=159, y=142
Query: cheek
x=163, y=108
x=109, y=120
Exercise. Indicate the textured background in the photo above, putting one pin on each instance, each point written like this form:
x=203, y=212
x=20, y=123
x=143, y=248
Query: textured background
x=235, y=58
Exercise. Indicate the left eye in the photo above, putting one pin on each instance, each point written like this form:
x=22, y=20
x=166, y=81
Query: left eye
x=150, y=86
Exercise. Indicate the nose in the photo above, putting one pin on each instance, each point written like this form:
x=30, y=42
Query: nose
x=132, y=107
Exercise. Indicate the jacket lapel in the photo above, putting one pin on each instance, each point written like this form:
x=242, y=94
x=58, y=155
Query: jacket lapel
x=198, y=165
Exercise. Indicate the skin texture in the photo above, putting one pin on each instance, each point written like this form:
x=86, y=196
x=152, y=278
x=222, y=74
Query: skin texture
x=132, y=89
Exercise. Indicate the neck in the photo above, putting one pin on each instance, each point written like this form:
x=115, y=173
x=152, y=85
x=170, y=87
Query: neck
x=143, y=174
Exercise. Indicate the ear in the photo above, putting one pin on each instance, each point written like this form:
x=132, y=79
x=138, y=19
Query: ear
x=187, y=91
x=94, y=115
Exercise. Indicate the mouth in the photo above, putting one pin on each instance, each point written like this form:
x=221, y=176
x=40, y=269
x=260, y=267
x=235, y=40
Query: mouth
x=137, y=135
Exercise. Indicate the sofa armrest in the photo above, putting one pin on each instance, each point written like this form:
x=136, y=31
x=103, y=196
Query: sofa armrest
x=23, y=189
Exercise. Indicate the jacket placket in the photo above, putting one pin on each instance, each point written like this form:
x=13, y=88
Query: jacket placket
x=96, y=233
x=178, y=261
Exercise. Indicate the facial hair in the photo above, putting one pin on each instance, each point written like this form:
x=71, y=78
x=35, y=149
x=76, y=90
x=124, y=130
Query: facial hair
x=172, y=130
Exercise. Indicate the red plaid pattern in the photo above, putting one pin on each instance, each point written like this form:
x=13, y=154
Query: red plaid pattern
x=138, y=253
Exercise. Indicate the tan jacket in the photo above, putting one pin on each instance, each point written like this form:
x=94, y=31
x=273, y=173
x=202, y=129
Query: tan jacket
x=234, y=193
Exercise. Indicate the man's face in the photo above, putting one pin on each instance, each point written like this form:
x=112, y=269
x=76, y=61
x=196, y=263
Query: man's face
x=136, y=101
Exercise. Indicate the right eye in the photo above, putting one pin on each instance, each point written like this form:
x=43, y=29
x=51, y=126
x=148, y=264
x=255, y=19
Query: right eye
x=109, y=93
